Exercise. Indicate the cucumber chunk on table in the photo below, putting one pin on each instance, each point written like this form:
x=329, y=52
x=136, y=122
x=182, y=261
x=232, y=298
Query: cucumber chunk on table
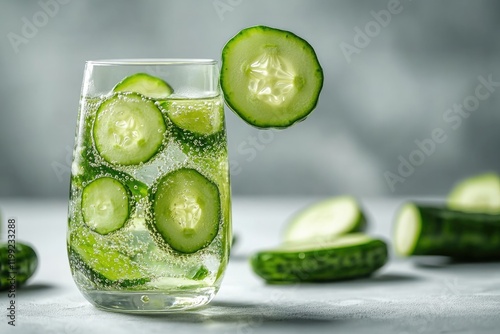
x=428, y=230
x=105, y=205
x=326, y=219
x=479, y=193
x=103, y=265
x=128, y=129
x=146, y=85
x=187, y=210
x=350, y=256
x=270, y=77
x=24, y=266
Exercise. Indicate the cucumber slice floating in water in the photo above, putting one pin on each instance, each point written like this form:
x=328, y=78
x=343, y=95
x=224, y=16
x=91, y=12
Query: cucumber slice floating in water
x=350, y=256
x=428, y=230
x=202, y=117
x=270, y=77
x=326, y=219
x=103, y=265
x=480, y=193
x=128, y=129
x=146, y=85
x=105, y=205
x=187, y=210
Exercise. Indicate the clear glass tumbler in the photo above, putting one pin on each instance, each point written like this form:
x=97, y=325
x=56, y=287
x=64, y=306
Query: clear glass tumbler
x=150, y=208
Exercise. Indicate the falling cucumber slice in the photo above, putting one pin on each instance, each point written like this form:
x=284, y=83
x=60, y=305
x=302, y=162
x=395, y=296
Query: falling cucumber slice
x=326, y=219
x=105, y=205
x=202, y=116
x=428, y=230
x=128, y=129
x=103, y=265
x=347, y=257
x=146, y=85
x=187, y=210
x=480, y=193
x=270, y=77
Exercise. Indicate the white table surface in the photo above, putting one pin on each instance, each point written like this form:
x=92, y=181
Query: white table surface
x=406, y=296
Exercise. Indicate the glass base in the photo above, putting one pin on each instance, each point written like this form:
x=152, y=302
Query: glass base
x=150, y=301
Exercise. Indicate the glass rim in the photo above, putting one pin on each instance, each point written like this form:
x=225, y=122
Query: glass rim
x=151, y=61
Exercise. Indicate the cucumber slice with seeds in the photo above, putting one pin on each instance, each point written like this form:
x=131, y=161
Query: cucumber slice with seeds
x=105, y=205
x=428, y=230
x=270, y=77
x=128, y=129
x=187, y=210
x=326, y=219
x=350, y=256
x=480, y=193
x=146, y=85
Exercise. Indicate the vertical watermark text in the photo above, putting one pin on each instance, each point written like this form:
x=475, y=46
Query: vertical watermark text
x=12, y=271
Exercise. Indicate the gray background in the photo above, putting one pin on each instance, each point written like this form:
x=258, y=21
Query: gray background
x=394, y=91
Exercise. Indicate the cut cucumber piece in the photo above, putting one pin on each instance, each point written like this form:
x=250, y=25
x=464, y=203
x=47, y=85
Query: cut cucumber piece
x=270, y=77
x=480, y=193
x=137, y=188
x=105, y=205
x=200, y=274
x=128, y=129
x=187, y=210
x=350, y=256
x=100, y=263
x=202, y=117
x=146, y=85
x=326, y=219
x=87, y=166
x=23, y=265
x=89, y=173
x=426, y=230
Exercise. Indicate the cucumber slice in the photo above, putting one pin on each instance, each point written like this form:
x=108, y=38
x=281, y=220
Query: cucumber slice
x=87, y=167
x=270, y=77
x=128, y=129
x=187, y=210
x=480, y=193
x=202, y=117
x=326, y=219
x=89, y=173
x=426, y=230
x=146, y=85
x=350, y=256
x=137, y=188
x=99, y=262
x=105, y=205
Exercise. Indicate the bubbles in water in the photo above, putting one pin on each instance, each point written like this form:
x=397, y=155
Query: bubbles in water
x=135, y=241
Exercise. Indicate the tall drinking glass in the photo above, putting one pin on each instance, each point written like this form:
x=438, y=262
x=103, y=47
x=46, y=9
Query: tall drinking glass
x=150, y=209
